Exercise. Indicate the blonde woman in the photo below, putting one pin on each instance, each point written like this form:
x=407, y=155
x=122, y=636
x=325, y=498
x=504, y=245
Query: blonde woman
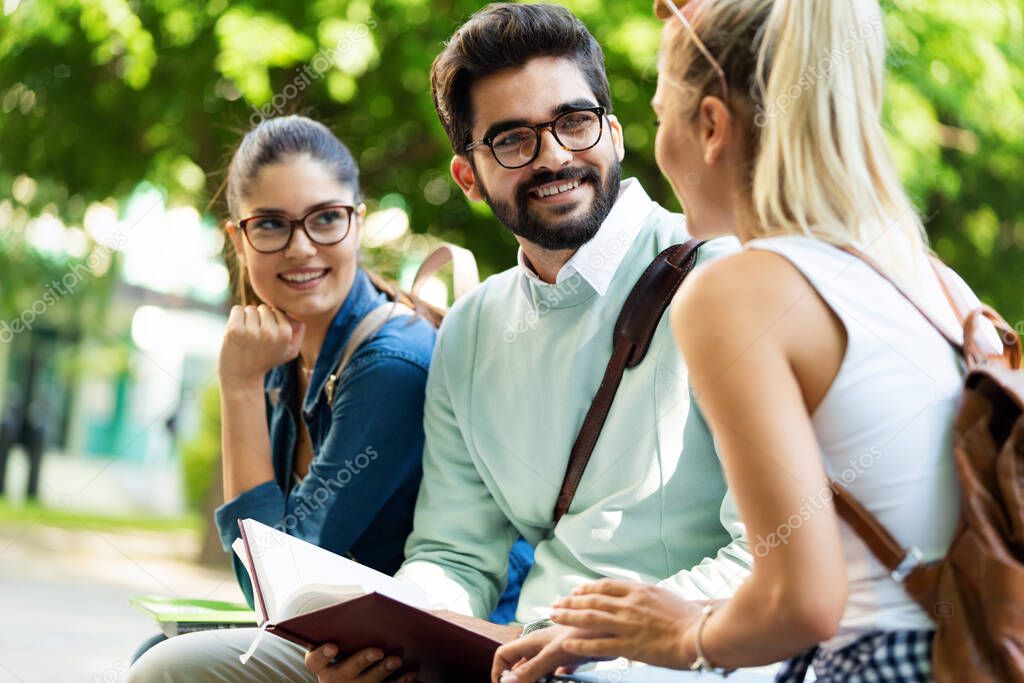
x=807, y=363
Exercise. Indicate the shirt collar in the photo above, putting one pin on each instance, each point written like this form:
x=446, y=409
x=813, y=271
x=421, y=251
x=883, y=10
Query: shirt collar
x=597, y=260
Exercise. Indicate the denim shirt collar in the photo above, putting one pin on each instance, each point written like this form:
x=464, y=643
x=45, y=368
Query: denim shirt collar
x=280, y=384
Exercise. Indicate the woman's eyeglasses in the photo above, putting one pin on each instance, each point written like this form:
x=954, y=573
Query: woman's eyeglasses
x=270, y=232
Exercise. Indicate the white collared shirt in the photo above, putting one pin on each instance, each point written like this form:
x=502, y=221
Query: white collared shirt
x=597, y=260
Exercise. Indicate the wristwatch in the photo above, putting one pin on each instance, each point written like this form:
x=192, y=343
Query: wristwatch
x=535, y=625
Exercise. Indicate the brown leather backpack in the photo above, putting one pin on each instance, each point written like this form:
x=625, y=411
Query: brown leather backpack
x=975, y=593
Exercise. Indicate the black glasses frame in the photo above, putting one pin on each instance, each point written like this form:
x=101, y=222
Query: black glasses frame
x=295, y=223
x=537, y=130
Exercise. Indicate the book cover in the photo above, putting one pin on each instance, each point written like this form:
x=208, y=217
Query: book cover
x=311, y=596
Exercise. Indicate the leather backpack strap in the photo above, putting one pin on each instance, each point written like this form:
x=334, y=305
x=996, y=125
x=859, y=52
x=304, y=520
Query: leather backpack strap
x=367, y=327
x=634, y=330
x=968, y=314
x=465, y=274
x=898, y=560
x=893, y=556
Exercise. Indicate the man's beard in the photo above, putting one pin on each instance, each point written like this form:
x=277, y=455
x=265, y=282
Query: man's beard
x=550, y=234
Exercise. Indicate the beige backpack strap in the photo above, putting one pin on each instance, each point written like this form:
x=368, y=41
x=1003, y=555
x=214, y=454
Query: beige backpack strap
x=367, y=327
x=465, y=275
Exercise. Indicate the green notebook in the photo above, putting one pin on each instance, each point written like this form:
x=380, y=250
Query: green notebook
x=182, y=615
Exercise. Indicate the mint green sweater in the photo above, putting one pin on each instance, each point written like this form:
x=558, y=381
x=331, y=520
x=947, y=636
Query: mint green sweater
x=510, y=382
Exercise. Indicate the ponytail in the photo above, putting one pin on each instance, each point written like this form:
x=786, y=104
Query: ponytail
x=824, y=167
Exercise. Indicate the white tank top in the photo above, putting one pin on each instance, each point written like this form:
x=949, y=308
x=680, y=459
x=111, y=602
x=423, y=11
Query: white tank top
x=885, y=424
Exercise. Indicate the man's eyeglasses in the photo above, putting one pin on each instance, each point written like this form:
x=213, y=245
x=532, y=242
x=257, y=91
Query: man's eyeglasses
x=270, y=232
x=575, y=131
x=673, y=9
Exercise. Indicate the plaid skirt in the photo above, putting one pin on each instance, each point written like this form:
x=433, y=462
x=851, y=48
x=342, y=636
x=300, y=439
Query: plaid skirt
x=882, y=657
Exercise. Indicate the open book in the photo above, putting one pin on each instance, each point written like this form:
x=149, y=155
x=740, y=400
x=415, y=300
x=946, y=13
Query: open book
x=311, y=596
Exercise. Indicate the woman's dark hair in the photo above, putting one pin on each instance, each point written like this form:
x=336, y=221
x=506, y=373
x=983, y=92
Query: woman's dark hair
x=278, y=140
x=275, y=140
x=507, y=35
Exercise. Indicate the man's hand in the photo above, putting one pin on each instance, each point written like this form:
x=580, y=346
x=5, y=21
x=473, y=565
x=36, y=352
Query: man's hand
x=531, y=657
x=371, y=665
x=257, y=339
x=366, y=666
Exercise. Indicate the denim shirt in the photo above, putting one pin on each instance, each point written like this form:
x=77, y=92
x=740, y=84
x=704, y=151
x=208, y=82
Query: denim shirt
x=357, y=499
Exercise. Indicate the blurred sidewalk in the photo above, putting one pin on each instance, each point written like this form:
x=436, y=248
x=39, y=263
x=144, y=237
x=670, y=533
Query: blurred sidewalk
x=65, y=579
x=102, y=485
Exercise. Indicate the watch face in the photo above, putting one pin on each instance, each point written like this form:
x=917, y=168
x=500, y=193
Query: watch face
x=536, y=625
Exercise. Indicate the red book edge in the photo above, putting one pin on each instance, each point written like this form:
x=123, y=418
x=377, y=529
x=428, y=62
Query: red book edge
x=283, y=628
x=294, y=630
x=252, y=573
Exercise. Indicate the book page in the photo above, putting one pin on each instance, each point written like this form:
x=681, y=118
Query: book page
x=285, y=564
x=316, y=596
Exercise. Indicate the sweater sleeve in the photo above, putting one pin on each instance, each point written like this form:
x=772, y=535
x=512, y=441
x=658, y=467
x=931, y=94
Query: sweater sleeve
x=458, y=551
x=719, y=576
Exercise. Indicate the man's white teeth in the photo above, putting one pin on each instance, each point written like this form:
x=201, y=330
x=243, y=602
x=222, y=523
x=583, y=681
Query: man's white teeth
x=302, y=277
x=557, y=189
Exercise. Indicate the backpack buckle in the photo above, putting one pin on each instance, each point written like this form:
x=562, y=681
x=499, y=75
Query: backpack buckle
x=911, y=561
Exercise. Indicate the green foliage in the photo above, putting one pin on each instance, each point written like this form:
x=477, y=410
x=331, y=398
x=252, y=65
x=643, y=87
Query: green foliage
x=99, y=94
x=200, y=455
x=37, y=283
x=956, y=121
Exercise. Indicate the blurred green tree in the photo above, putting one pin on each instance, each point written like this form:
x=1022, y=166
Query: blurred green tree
x=100, y=94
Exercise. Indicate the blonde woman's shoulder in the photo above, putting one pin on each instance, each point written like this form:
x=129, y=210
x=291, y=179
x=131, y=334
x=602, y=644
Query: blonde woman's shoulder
x=750, y=289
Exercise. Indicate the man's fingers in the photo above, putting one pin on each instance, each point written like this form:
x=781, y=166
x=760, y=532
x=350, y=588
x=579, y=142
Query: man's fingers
x=319, y=659
x=511, y=654
x=549, y=659
x=375, y=673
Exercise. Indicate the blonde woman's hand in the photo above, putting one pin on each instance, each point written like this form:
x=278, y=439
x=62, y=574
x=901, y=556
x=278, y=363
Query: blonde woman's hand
x=257, y=339
x=633, y=620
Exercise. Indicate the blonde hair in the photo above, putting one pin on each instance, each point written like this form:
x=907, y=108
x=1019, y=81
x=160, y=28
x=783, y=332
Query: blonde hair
x=807, y=75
